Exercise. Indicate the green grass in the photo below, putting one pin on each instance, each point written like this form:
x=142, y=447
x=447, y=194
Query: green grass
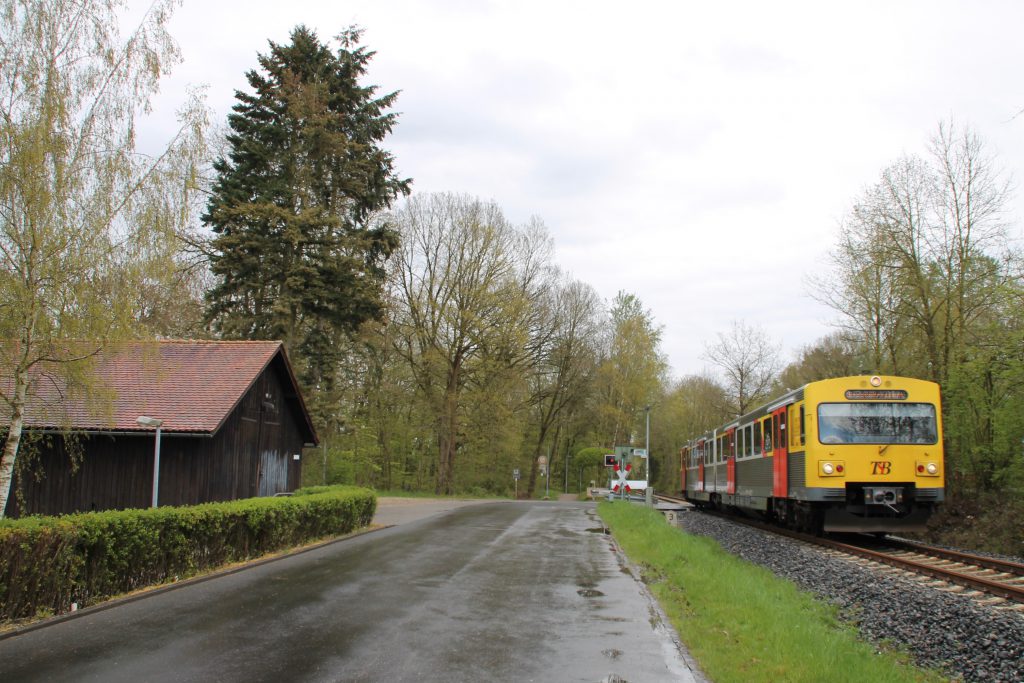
x=740, y=621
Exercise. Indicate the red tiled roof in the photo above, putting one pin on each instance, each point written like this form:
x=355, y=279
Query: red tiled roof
x=191, y=385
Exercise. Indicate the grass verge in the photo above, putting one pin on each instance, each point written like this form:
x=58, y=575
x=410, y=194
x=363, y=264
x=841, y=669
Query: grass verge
x=741, y=622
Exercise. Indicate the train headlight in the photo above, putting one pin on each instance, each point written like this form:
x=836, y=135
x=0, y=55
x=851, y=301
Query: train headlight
x=927, y=469
x=932, y=468
x=830, y=468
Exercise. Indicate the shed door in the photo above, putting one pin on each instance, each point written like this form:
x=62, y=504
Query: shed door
x=272, y=473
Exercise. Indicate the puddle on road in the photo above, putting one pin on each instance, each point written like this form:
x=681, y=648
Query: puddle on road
x=598, y=530
x=612, y=654
x=590, y=593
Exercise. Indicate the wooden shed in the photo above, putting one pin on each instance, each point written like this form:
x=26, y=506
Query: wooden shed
x=233, y=426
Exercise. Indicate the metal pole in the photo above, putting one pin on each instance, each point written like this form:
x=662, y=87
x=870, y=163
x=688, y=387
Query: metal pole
x=566, y=463
x=547, y=478
x=156, y=468
x=647, y=447
x=323, y=462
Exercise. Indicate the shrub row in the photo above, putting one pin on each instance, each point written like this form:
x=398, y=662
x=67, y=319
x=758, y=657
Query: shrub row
x=48, y=563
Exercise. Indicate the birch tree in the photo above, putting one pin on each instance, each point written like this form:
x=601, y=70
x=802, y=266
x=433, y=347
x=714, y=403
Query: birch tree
x=84, y=217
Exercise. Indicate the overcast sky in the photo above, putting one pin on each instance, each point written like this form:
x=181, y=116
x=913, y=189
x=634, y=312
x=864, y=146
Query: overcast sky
x=699, y=155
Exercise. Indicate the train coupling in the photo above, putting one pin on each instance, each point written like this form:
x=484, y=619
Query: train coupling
x=889, y=496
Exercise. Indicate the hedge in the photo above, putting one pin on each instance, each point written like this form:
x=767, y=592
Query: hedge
x=48, y=563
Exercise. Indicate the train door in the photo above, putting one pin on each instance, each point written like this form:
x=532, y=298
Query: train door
x=701, y=449
x=780, y=479
x=730, y=461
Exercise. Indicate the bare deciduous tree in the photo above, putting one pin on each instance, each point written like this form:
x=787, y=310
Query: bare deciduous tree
x=466, y=283
x=749, y=361
x=564, y=367
x=922, y=254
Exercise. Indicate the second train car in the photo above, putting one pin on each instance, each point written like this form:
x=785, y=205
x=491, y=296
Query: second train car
x=852, y=454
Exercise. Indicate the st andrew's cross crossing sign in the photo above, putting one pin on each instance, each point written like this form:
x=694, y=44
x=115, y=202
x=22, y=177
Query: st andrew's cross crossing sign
x=622, y=472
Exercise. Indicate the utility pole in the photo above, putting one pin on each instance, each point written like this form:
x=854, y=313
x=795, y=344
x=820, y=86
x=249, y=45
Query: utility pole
x=647, y=446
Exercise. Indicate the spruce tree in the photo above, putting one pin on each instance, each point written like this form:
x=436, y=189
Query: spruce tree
x=299, y=254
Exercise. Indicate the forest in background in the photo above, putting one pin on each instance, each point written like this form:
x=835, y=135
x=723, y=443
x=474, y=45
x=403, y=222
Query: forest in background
x=439, y=345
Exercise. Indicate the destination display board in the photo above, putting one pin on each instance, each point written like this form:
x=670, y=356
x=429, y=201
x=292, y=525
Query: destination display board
x=876, y=395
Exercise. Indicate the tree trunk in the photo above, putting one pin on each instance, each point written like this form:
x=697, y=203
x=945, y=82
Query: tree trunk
x=385, y=456
x=13, y=437
x=537, y=452
x=448, y=435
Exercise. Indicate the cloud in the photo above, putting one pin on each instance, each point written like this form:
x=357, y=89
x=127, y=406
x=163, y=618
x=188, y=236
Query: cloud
x=698, y=155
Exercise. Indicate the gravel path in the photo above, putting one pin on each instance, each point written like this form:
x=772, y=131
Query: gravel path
x=940, y=629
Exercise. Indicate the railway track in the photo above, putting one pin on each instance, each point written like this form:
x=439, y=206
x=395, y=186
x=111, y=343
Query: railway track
x=991, y=576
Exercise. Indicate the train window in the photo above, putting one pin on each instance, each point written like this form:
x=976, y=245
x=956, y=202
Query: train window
x=749, y=448
x=877, y=423
x=803, y=429
x=757, y=438
x=769, y=429
x=741, y=442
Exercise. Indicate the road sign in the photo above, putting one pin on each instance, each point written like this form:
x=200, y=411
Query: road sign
x=515, y=474
x=640, y=452
x=610, y=460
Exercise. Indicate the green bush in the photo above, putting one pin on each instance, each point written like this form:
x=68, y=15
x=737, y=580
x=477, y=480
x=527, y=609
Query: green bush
x=48, y=563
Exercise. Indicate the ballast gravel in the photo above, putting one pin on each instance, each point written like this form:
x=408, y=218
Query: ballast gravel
x=966, y=639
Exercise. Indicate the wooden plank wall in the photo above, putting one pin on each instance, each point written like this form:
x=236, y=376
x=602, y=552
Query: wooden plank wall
x=251, y=454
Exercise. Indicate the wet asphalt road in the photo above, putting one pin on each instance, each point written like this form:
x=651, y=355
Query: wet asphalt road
x=489, y=592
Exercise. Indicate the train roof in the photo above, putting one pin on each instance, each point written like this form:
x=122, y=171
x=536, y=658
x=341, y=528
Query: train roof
x=794, y=395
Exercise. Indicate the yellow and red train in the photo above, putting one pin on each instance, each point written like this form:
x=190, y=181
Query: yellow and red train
x=858, y=454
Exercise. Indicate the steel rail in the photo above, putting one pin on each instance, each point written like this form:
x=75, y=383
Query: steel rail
x=1005, y=566
x=1000, y=588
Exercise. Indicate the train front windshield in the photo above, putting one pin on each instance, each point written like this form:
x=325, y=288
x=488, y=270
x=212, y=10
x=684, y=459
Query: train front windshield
x=896, y=423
